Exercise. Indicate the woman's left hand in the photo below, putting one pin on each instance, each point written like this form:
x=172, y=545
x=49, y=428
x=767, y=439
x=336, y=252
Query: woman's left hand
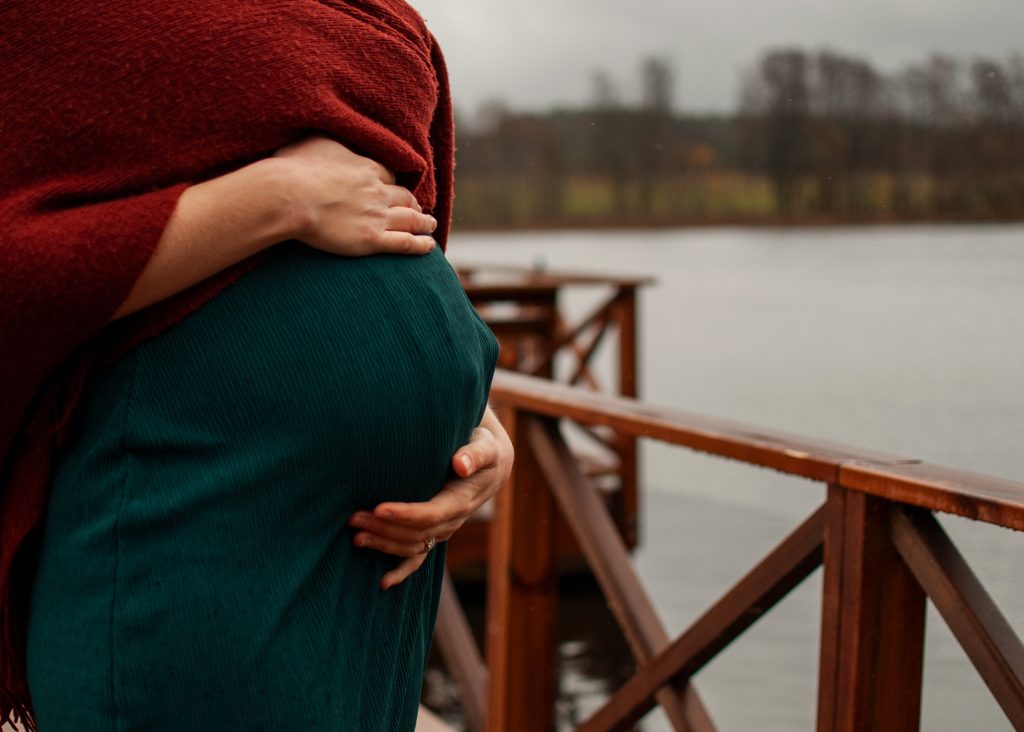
x=404, y=529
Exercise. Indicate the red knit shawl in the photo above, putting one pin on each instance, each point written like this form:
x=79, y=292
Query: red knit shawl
x=108, y=111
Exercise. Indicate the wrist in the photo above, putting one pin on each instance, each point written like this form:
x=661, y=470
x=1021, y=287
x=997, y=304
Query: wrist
x=285, y=214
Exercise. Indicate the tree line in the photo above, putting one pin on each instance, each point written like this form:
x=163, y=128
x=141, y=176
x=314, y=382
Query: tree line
x=817, y=137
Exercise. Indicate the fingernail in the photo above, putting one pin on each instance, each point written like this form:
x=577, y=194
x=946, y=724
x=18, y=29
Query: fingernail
x=434, y=222
x=465, y=462
x=387, y=513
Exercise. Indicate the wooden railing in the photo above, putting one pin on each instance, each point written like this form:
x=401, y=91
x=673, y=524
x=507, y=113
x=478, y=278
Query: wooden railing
x=526, y=310
x=883, y=551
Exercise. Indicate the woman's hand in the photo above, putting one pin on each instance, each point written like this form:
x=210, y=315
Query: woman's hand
x=403, y=529
x=315, y=190
x=347, y=204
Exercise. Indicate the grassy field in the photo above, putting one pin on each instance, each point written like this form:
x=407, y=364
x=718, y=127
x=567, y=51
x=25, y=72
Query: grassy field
x=714, y=197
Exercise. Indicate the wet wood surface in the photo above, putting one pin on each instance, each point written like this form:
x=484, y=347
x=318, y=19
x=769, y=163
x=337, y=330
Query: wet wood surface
x=872, y=648
x=971, y=614
x=608, y=557
x=893, y=477
x=522, y=598
x=883, y=552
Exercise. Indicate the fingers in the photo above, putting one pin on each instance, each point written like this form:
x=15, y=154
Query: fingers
x=398, y=541
x=441, y=508
x=480, y=452
x=455, y=502
x=405, y=219
x=354, y=207
x=408, y=229
x=402, y=242
x=402, y=571
x=398, y=196
x=369, y=523
x=483, y=465
x=366, y=540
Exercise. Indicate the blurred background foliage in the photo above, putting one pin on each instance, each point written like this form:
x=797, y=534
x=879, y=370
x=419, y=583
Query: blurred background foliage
x=817, y=137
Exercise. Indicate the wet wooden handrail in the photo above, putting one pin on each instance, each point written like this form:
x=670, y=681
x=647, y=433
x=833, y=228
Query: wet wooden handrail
x=548, y=277
x=884, y=556
x=901, y=479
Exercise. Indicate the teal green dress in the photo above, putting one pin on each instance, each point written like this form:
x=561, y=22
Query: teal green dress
x=196, y=568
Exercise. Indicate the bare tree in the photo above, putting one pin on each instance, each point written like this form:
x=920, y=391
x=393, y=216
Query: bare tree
x=847, y=101
x=778, y=97
x=658, y=82
x=609, y=140
x=653, y=123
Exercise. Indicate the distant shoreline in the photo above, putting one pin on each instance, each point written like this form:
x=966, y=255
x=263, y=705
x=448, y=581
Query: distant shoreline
x=823, y=222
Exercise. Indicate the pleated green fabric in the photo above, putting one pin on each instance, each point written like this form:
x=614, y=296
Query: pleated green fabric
x=196, y=568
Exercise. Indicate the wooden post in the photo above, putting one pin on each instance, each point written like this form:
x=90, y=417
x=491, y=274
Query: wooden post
x=544, y=344
x=626, y=319
x=522, y=597
x=873, y=612
x=453, y=638
x=509, y=355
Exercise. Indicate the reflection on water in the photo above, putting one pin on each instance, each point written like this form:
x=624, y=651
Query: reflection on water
x=906, y=340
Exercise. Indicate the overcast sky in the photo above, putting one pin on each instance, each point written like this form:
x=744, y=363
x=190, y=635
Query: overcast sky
x=535, y=53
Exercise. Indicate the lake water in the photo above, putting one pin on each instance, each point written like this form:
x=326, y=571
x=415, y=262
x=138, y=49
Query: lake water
x=909, y=340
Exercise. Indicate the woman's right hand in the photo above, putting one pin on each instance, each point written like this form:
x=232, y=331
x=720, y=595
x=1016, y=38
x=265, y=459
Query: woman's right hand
x=348, y=204
x=315, y=190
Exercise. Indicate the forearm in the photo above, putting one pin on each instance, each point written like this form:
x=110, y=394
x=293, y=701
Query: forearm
x=216, y=224
x=314, y=190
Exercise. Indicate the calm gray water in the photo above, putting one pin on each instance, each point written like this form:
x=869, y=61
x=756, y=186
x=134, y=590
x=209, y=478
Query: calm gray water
x=905, y=339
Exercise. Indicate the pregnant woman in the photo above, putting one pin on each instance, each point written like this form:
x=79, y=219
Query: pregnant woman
x=243, y=393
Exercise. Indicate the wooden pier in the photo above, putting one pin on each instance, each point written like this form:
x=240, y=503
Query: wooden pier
x=885, y=556
x=525, y=308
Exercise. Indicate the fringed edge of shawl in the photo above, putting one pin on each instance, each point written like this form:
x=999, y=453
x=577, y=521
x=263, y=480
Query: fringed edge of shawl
x=16, y=709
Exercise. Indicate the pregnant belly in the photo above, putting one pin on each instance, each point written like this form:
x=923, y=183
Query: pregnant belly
x=196, y=553
x=341, y=382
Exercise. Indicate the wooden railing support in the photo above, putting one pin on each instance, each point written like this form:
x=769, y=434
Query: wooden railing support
x=522, y=598
x=883, y=551
x=976, y=621
x=873, y=612
x=626, y=318
x=784, y=568
x=608, y=557
x=454, y=641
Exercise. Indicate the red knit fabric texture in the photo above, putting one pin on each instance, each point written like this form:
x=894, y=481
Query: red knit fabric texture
x=110, y=110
